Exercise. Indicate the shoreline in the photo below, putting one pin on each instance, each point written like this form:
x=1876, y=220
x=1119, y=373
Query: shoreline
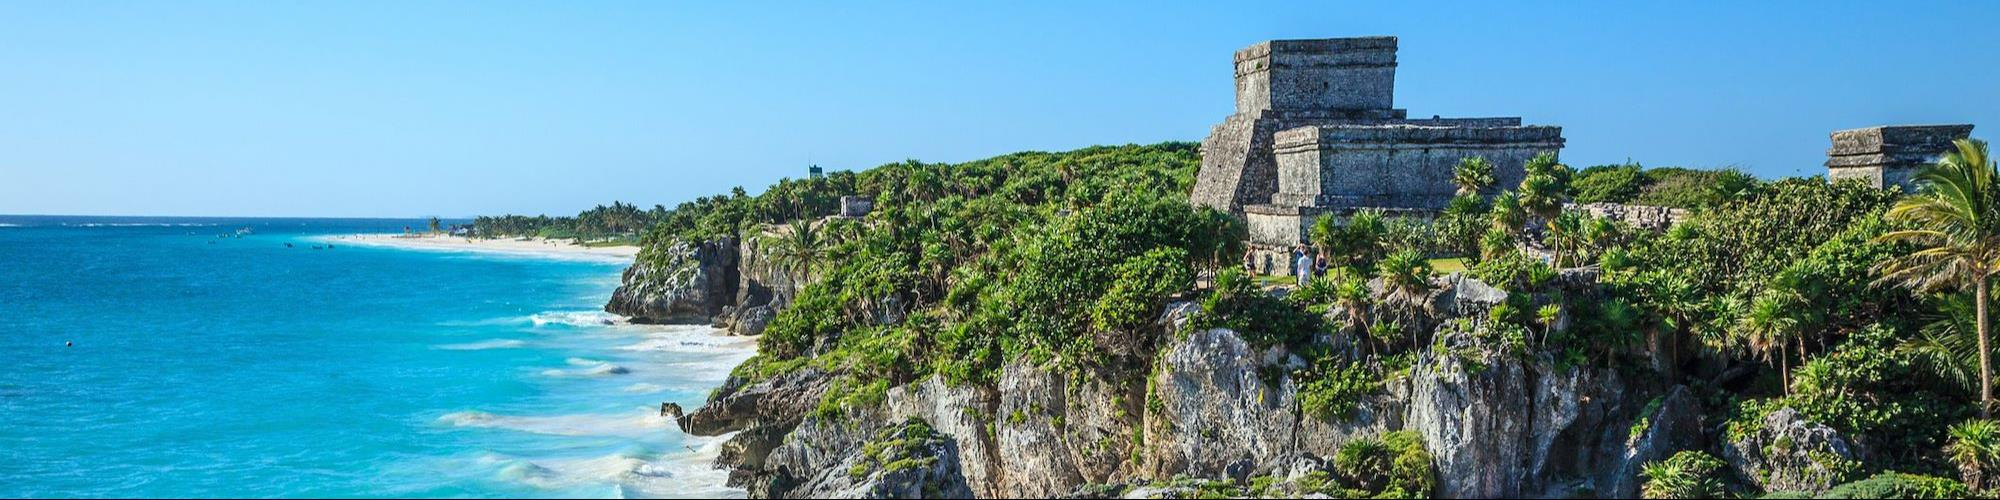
x=525, y=246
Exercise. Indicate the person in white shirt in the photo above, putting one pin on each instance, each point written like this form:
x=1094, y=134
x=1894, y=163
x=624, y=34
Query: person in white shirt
x=1304, y=267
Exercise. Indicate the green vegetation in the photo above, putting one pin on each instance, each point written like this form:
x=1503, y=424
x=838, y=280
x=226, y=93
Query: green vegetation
x=1665, y=187
x=1768, y=295
x=898, y=447
x=1955, y=222
x=1688, y=474
x=1393, y=466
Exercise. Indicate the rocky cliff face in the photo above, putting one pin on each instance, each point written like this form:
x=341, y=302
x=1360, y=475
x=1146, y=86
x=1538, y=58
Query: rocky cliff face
x=1213, y=406
x=728, y=283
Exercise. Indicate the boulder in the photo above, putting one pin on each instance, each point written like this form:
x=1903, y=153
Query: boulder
x=905, y=460
x=680, y=283
x=1790, y=453
x=780, y=401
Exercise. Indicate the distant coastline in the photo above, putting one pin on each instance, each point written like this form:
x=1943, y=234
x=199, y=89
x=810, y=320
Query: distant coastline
x=525, y=246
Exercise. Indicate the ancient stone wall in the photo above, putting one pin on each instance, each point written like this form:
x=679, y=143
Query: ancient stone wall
x=1645, y=217
x=1889, y=155
x=1340, y=73
x=1397, y=166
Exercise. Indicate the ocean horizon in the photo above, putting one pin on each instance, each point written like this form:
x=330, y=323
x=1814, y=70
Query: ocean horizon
x=266, y=357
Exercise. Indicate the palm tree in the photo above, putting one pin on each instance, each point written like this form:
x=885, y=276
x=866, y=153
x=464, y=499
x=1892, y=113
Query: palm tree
x=1956, y=221
x=1543, y=193
x=1975, y=449
x=1472, y=174
x=797, y=250
x=1765, y=329
x=1406, y=282
x=1350, y=296
x=1948, y=343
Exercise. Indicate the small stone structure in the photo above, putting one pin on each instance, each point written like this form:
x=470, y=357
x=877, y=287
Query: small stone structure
x=855, y=206
x=1889, y=155
x=1647, y=217
x=1315, y=132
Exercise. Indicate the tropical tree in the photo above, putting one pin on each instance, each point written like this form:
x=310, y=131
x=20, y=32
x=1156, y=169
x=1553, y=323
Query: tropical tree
x=1406, y=283
x=1955, y=225
x=1766, y=328
x=797, y=249
x=1543, y=192
x=1472, y=174
x=1975, y=448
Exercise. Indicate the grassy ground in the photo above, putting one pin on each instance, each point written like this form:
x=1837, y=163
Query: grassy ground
x=1448, y=266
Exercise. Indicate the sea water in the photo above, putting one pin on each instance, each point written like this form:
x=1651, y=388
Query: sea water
x=172, y=357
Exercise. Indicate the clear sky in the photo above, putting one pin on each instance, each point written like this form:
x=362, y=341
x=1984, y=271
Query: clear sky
x=402, y=108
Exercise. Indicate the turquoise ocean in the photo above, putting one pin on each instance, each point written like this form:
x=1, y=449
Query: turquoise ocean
x=205, y=364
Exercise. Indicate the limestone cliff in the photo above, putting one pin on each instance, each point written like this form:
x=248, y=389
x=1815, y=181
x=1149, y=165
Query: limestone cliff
x=727, y=282
x=1208, y=405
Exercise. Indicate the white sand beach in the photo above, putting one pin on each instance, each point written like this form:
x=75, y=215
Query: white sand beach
x=519, y=246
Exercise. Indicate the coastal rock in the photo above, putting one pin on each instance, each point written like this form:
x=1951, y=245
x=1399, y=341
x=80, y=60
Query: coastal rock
x=1215, y=409
x=780, y=401
x=680, y=283
x=907, y=460
x=1790, y=453
x=1503, y=427
x=1030, y=433
x=964, y=412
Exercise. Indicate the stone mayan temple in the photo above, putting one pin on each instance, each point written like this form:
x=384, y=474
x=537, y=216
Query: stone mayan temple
x=1889, y=155
x=1316, y=132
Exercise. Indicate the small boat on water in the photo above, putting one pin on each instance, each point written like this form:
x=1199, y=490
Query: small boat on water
x=245, y=230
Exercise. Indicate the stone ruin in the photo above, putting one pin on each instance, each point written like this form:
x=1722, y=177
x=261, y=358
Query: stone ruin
x=1316, y=132
x=1889, y=155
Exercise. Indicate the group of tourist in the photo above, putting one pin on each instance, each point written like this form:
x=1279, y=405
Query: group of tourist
x=1307, y=263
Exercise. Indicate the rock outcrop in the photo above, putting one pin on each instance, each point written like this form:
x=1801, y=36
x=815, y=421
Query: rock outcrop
x=681, y=283
x=1790, y=453
x=1210, y=405
x=730, y=284
x=906, y=460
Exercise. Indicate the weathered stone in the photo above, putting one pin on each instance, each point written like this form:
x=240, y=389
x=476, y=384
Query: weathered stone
x=1673, y=426
x=681, y=283
x=1032, y=406
x=1790, y=453
x=779, y=401
x=1315, y=132
x=1506, y=428
x=914, y=467
x=1215, y=408
x=855, y=206
x=1644, y=217
x=964, y=412
x=1889, y=155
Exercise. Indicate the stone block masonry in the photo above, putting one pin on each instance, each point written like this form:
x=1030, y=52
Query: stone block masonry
x=1889, y=155
x=1316, y=132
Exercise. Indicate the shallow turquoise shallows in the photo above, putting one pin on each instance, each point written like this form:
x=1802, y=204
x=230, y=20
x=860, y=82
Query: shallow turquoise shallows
x=206, y=364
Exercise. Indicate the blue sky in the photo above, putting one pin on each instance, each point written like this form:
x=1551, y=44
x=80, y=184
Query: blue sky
x=457, y=108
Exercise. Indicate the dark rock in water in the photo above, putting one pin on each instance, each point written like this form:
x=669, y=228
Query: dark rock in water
x=1790, y=453
x=682, y=283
